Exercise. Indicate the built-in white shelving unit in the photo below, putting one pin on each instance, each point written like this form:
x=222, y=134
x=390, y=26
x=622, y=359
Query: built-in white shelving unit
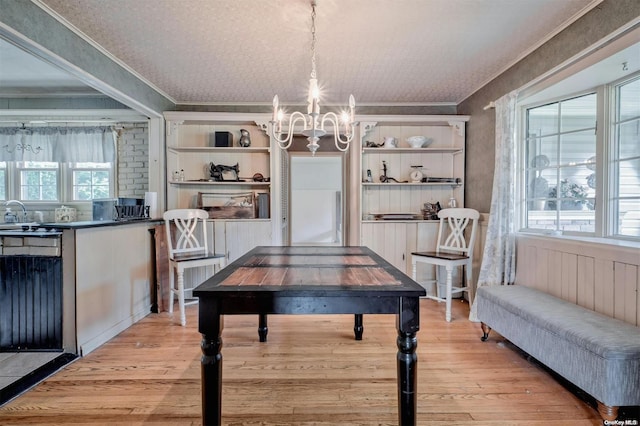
x=398, y=192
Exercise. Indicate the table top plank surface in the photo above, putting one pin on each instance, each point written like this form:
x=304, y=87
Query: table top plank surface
x=325, y=270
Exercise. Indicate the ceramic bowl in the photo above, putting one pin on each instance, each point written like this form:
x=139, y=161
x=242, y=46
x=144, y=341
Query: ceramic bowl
x=418, y=141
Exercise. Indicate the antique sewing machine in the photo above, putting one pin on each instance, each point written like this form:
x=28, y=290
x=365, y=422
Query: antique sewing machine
x=220, y=172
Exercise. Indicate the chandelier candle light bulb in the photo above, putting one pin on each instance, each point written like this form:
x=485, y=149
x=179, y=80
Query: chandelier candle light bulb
x=313, y=121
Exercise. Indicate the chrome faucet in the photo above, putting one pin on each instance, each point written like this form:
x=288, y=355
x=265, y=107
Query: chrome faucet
x=24, y=209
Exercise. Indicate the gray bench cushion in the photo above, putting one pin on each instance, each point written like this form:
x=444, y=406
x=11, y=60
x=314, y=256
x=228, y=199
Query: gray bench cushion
x=599, y=354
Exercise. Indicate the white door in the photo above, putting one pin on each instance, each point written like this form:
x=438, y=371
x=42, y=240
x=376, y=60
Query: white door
x=315, y=200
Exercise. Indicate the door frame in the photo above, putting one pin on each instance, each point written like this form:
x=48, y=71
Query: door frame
x=343, y=188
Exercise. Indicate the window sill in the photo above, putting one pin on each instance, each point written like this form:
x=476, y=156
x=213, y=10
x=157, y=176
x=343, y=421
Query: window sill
x=611, y=242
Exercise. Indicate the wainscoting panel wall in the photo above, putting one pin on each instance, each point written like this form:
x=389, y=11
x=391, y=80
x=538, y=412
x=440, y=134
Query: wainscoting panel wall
x=31, y=303
x=598, y=276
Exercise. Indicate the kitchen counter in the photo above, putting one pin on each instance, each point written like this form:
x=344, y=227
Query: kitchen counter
x=49, y=229
x=104, y=274
x=108, y=267
x=97, y=223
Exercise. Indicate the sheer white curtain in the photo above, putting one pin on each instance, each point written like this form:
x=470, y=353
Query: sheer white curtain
x=58, y=144
x=498, y=259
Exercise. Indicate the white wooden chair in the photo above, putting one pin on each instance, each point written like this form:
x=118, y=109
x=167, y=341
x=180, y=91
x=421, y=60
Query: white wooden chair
x=187, y=244
x=454, y=247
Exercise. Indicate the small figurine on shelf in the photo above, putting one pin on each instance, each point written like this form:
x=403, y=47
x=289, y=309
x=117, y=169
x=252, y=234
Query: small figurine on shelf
x=245, y=138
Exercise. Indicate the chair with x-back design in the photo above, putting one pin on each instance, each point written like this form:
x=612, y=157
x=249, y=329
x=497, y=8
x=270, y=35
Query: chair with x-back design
x=188, y=248
x=454, y=247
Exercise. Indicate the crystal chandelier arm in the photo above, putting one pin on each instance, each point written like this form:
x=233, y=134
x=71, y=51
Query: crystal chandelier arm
x=285, y=142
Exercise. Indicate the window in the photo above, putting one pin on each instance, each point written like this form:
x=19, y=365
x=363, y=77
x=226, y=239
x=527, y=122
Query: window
x=42, y=181
x=565, y=189
x=626, y=159
x=50, y=164
x=91, y=180
x=560, y=158
x=38, y=180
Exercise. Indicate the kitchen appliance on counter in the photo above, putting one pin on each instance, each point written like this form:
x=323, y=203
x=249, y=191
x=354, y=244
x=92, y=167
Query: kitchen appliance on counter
x=121, y=208
x=104, y=208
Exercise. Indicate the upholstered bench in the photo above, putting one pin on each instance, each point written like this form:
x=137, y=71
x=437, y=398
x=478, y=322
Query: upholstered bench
x=599, y=354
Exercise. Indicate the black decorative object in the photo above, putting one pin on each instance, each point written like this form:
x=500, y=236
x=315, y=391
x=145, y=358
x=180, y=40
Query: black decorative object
x=223, y=139
x=220, y=172
x=384, y=178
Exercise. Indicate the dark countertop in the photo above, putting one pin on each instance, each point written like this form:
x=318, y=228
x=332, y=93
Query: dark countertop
x=97, y=223
x=53, y=229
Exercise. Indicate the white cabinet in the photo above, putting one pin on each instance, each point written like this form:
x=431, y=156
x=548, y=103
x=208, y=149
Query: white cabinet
x=442, y=165
x=396, y=240
x=192, y=151
x=391, y=240
x=236, y=237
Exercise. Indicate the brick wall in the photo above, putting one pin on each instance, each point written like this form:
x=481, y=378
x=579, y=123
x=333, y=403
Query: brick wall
x=33, y=246
x=133, y=161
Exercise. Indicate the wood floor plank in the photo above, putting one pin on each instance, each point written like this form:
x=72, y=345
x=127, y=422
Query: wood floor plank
x=310, y=372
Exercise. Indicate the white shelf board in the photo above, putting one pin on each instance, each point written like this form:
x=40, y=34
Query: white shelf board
x=220, y=183
x=380, y=184
x=239, y=150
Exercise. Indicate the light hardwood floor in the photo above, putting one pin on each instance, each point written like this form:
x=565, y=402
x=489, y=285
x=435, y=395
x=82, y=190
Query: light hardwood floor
x=311, y=371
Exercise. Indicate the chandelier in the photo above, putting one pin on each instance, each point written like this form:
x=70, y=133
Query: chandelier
x=314, y=124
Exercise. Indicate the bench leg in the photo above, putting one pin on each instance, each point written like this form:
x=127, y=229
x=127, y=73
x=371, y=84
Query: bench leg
x=485, y=332
x=607, y=412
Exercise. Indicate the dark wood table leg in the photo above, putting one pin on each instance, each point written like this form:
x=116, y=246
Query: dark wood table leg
x=211, y=367
x=358, y=328
x=262, y=327
x=408, y=324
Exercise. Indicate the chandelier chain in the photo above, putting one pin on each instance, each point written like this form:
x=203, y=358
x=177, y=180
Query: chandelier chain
x=313, y=39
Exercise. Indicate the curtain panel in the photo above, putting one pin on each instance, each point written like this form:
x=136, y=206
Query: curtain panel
x=499, y=256
x=58, y=144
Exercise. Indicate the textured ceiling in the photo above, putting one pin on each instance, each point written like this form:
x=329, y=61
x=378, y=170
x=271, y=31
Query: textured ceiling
x=382, y=51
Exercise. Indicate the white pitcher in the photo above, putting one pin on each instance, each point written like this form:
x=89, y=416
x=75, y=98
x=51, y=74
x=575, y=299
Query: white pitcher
x=390, y=142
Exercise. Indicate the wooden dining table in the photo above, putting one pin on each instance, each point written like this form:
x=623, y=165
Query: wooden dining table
x=308, y=280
